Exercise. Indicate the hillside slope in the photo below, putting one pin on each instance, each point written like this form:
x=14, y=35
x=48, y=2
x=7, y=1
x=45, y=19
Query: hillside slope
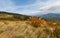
x=13, y=26
x=12, y=16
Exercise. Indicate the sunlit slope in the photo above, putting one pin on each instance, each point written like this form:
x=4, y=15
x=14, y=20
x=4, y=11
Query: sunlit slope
x=12, y=16
x=22, y=26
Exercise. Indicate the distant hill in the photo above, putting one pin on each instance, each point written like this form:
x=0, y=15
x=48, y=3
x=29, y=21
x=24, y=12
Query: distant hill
x=12, y=16
x=15, y=16
x=51, y=16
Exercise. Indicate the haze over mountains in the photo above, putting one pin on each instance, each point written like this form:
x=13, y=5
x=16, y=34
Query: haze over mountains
x=51, y=16
x=15, y=16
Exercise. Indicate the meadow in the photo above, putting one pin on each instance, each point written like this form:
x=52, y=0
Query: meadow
x=31, y=28
x=22, y=26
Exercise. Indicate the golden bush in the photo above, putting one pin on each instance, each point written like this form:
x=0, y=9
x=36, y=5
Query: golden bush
x=37, y=22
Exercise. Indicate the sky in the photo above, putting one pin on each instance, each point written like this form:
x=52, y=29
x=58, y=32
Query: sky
x=30, y=7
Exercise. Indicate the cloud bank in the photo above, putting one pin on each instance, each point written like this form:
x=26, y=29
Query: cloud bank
x=38, y=6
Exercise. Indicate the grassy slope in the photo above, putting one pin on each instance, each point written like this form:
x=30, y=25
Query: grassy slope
x=12, y=16
x=21, y=29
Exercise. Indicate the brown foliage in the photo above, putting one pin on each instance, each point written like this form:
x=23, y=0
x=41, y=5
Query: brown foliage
x=53, y=24
x=36, y=22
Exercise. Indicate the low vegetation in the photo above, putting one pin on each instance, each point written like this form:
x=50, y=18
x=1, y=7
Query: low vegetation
x=28, y=27
x=37, y=22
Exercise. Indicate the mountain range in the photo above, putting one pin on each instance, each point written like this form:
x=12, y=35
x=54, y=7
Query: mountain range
x=13, y=16
x=51, y=16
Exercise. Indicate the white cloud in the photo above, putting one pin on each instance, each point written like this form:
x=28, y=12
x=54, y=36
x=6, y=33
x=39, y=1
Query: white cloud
x=38, y=7
x=51, y=8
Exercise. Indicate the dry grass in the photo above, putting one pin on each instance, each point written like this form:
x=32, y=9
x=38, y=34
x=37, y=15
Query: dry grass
x=16, y=26
x=20, y=29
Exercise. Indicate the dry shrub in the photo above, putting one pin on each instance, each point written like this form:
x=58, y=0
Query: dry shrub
x=53, y=24
x=37, y=22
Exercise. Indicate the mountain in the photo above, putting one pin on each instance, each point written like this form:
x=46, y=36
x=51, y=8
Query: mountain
x=51, y=16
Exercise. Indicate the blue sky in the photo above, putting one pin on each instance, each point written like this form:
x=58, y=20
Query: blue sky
x=23, y=2
x=30, y=7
